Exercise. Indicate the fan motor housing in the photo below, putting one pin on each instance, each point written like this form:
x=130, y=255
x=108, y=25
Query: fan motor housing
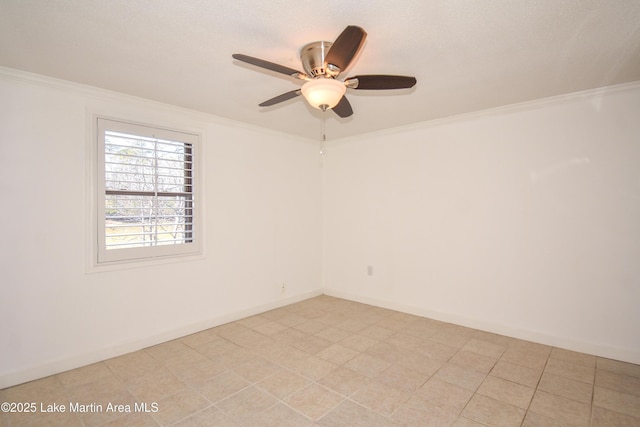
x=312, y=57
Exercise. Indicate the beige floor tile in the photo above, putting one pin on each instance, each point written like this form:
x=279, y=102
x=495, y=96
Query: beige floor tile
x=418, y=413
x=350, y=414
x=197, y=371
x=393, y=324
x=280, y=415
x=229, y=329
x=376, y=332
x=565, y=387
x=570, y=370
x=291, y=319
x=154, y=386
x=559, y=408
x=337, y=354
x=353, y=325
x=314, y=401
x=132, y=420
x=313, y=367
x=532, y=419
x=253, y=321
x=188, y=355
x=419, y=362
x=380, y=397
x=455, y=329
x=406, y=342
x=133, y=364
x=402, y=378
x=290, y=336
x=492, y=412
x=474, y=361
x=209, y=417
x=505, y=391
x=451, y=339
x=43, y=419
x=233, y=358
x=444, y=394
x=168, y=350
x=485, y=348
x=436, y=350
x=200, y=338
x=388, y=352
x=246, y=404
x=256, y=369
x=179, y=405
x=459, y=375
x=47, y=390
x=222, y=386
x=333, y=334
x=518, y=355
x=283, y=383
x=269, y=328
x=99, y=417
x=332, y=318
x=358, y=342
x=311, y=326
x=367, y=365
x=282, y=354
x=249, y=339
x=422, y=328
x=275, y=314
x=83, y=375
x=215, y=347
x=618, y=367
x=516, y=373
x=618, y=382
x=576, y=358
x=97, y=395
x=466, y=422
x=345, y=364
x=539, y=350
x=311, y=344
x=500, y=340
x=343, y=381
x=624, y=403
x=601, y=417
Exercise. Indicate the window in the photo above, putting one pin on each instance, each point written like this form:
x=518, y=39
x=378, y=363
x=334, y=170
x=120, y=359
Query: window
x=146, y=192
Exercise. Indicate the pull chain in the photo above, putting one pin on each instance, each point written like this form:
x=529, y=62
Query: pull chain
x=323, y=135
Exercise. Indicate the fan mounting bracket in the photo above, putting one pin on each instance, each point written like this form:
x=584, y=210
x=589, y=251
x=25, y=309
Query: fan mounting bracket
x=312, y=56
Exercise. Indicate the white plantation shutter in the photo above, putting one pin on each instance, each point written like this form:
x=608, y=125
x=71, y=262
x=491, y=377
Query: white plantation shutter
x=146, y=186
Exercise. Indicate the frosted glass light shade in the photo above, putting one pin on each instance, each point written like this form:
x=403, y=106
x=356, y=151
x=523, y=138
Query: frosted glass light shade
x=323, y=91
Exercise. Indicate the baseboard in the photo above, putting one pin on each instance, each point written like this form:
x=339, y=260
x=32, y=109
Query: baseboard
x=620, y=354
x=62, y=365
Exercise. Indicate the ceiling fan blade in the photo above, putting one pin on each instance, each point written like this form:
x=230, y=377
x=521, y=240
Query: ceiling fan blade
x=280, y=98
x=269, y=65
x=345, y=48
x=380, y=82
x=343, y=108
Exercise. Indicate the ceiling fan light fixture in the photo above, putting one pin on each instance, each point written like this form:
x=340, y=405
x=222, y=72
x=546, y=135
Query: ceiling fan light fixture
x=323, y=92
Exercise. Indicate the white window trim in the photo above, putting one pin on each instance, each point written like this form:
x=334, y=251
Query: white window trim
x=137, y=257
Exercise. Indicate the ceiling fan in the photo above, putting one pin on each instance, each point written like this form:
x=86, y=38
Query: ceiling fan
x=323, y=62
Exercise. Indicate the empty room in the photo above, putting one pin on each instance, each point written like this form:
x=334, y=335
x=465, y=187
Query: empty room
x=338, y=213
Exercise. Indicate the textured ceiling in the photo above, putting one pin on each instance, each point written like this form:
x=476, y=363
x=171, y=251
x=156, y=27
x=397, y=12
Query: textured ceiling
x=466, y=55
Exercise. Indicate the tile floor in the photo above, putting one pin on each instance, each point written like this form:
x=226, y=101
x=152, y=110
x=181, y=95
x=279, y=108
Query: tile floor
x=331, y=362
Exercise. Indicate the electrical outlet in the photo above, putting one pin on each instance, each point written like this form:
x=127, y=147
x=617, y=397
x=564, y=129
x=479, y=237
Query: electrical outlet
x=283, y=288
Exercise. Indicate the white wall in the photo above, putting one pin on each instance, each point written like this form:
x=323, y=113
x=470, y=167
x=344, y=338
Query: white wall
x=262, y=217
x=523, y=221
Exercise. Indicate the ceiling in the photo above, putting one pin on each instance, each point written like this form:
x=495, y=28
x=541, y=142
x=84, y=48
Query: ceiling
x=466, y=55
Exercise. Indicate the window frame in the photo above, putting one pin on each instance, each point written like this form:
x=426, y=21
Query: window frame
x=115, y=256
